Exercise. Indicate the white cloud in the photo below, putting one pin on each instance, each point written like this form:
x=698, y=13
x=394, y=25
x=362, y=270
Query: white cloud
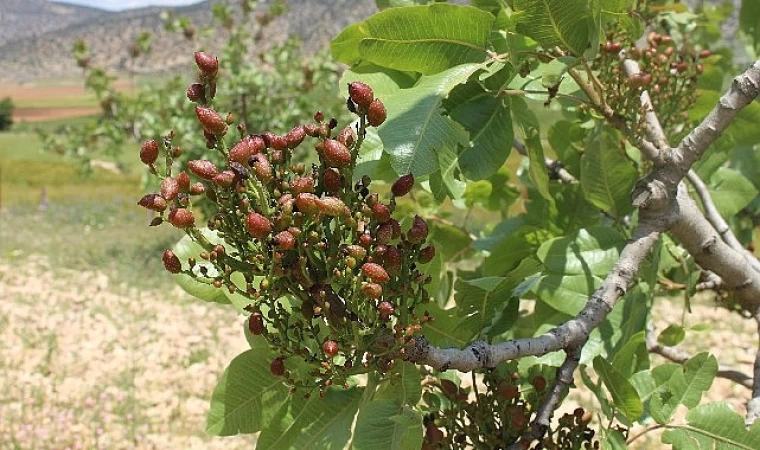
x=119, y=5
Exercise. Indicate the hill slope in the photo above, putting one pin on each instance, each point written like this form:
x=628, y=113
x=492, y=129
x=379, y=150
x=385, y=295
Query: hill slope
x=48, y=55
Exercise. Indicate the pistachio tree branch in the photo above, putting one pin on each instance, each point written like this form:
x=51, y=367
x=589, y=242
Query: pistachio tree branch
x=680, y=356
x=717, y=221
x=568, y=336
x=753, y=405
x=654, y=130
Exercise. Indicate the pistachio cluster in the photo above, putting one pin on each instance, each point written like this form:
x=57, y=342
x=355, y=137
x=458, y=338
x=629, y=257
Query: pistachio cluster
x=331, y=278
x=669, y=73
x=465, y=417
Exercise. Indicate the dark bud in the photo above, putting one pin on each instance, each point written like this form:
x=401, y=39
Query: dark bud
x=403, y=185
x=171, y=262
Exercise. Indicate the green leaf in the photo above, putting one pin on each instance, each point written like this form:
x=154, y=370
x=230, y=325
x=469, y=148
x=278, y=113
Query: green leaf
x=345, y=46
x=623, y=394
x=319, y=423
x=749, y=23
x=187, y=248
x=385, y=4
x=246, y=397
x=450, y=240
x=426, y=39
x=481, y=301
x=515, y=247
x=446, y=329
x=564, y=23
x=672, y=335
x=449, y=163
x=625, y=360
x=384, y=424
x=713, y=426
x=477, y=192
x=488, y=119
x=566, y=293
x=685, y=386
x=416, y=128
x=607, y=176
x=592, y=251
x=528, y=123
x=403, y=385
x=731, y=191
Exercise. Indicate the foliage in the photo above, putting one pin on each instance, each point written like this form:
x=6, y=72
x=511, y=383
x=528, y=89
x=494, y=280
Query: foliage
x=331, y=291
x=6, y=113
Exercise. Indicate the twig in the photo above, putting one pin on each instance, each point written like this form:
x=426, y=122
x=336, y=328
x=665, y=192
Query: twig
x=712, y=282
x=680, y=356
x=753, y=405
x=555, y=167
x=655, y=133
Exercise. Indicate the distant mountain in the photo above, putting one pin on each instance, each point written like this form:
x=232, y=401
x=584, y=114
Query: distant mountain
x=45, y=53
x=21, y=19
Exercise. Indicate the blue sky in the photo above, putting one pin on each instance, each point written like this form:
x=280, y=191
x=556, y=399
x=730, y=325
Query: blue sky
x=119, y=5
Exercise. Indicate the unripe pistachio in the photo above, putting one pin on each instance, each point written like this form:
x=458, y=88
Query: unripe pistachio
x=336, y=154
x=356, y=251
x=403, y=185
x=347, y=136
x=181, y=218
x=208, y=65
x=295, y=136
x=419, y=231
x=307, y=203
x=361, y=94
x=427, y=254
x=376, y=113
x=302, y=184
x=196, y=93
x=284, y=241
x=203, y=169
x=197, y=189
x=183, y=181
x=149, y=152
x=247, y=147
x=261, y=167
x=277, y=368
x=169, y=188
x=153, y=202
x=225, y=178
x=256, y=323
x=386, y=308
x=257, y=225
x=332, y=180
x=330, y=348
x=381, y=212
x=333, y=206
x=171, y=262
x=372, y=290
x=393, y=260
x=375, y=272
x=210, y=120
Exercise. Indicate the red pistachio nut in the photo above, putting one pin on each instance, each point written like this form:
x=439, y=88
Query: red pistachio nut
x=256, y=323
x=376, y=113
x=153, y=202
x=302, y=184
x=361, y=94
x=419, y=231
x=295, y=136
x=375, y=272
x=169, y=188
x=336, y=154
x=386, y=308
x=208, y=65
x=149, y=152
x=393, y=260
x=427, y=254
x=307, y=203
x=330, y=348
x=381, y=212
x=247, y=147
x=181, y=218
x=261, y=167
x=257, y=225
x=196, y=93
x=203, y=169
x=347, y=136
x=277, y=368
x=332, y=180
x=372, y=290
x=403, y=185
x=183, y=181
x=284, y=240
x=225, y=178
x=171, y=262
x=210, y=120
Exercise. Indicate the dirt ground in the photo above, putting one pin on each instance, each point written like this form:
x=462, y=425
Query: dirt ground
x=86, y=362
x=46, y=114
